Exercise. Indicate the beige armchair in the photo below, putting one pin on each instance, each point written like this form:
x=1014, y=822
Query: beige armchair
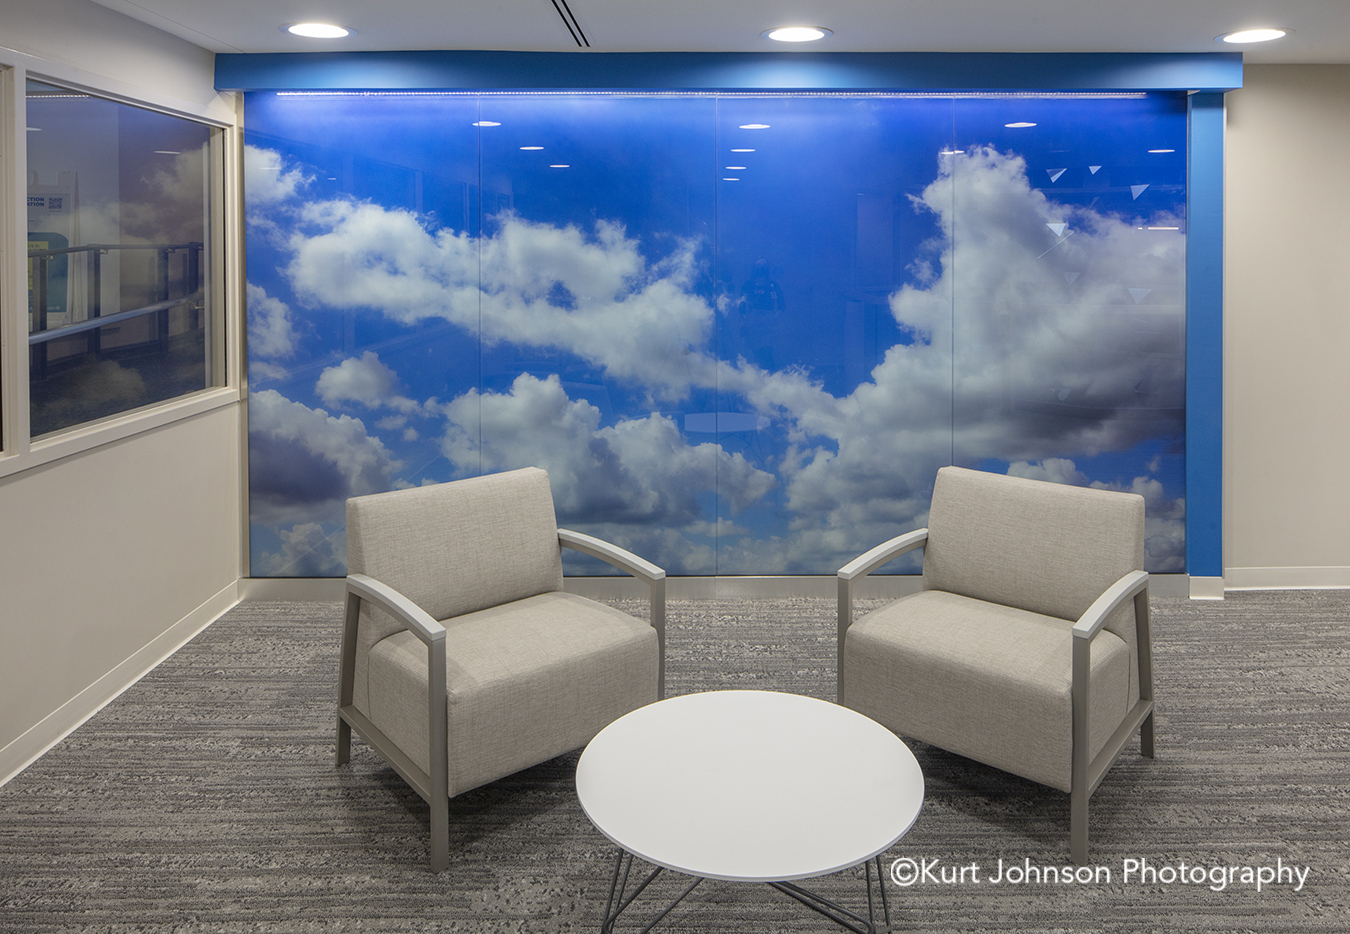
x=1028, y=648
x=462, y=658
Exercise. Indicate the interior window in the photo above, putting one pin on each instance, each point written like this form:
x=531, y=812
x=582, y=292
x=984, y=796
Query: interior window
x=119, y=257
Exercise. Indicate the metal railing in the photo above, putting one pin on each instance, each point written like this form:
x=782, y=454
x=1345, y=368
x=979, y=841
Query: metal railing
x=41, y=335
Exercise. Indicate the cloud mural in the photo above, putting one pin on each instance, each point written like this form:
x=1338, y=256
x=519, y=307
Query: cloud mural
x=1033, y=334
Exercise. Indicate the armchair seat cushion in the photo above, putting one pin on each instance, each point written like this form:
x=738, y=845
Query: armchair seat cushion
x=983, y=680
x=525, y=681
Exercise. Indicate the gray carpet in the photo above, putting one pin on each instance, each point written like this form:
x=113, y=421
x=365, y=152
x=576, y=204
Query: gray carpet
x=204, y=799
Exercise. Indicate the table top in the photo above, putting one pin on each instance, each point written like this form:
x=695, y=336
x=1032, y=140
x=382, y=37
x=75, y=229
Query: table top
x=750, y=786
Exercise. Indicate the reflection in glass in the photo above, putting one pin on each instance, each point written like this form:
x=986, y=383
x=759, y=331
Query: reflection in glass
x=119, y=257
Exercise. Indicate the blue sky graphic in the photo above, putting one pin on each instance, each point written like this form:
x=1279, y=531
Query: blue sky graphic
x=736, y=349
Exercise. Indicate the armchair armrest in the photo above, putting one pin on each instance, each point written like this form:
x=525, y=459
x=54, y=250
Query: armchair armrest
x=1091, y=622
x=857, y=569
x=613, y=554
x=638, y=567
x=397, y=606
x=433, y=785
x=1086, y=771
x=866, y=563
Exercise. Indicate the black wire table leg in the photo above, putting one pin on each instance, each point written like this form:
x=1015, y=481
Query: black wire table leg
x=620, y=898
x=619, y=885
x=881, y=884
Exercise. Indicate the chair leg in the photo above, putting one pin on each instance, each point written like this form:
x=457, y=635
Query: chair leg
x=1146, y=737
x=440, y=833
x=344, y=741
x=1078, y=826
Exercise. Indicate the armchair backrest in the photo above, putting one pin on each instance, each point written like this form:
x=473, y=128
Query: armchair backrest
x=1045, y=547
x=454, y=548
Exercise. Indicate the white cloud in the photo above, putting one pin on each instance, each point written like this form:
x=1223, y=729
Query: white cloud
x=1053, y=469
x=305, y=463
x=306, y=551
x=271, y=333
x=636, y=472
x=1164, y=523
x=267, y=181
x=1011, y=360
x=541, y=286
x=365, y=381
x=167, y=207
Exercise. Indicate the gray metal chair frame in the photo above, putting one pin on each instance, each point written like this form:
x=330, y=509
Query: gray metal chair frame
x=435, y=787
x=1086, y=776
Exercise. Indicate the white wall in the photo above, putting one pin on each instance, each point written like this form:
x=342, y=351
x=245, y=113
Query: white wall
x=112, y=556
x=1287, y=329
x=93, y=38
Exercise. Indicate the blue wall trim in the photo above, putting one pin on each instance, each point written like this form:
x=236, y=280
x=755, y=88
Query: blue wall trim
x=729, y=71
x=1204, y=338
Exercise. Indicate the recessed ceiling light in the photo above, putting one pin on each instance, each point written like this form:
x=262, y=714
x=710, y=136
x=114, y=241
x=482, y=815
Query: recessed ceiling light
x=1254, y=35
x=754, y=126
x=1164, y=228
x=1019, y=125
x=735, y=168
x=742, y=150
x=33, y=129
x=796, y=33
x=317, y=30
x=731, y=179
x=1162, y=150
x=168, y=152
x=531, y=148
x=559, y=165
x=487, y=123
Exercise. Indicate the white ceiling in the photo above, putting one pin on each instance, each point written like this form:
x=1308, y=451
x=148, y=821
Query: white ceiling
x=1321, y=27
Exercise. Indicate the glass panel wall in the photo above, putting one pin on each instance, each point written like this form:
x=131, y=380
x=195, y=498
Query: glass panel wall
x=119, y=247
x=1067, y=276
x=742, y=332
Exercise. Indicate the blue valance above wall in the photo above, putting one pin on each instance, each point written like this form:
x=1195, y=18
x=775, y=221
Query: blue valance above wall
x=840, y=71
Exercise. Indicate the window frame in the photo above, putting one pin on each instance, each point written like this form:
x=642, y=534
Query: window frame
x=18, y=451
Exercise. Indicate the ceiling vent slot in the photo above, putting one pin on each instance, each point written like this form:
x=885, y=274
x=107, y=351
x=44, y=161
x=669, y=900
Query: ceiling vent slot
x=570, y=21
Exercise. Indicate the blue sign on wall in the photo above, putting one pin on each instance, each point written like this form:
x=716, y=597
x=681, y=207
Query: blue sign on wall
x=740, y=330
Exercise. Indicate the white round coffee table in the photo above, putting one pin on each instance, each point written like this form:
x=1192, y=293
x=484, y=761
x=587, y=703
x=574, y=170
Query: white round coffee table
x=749, y=786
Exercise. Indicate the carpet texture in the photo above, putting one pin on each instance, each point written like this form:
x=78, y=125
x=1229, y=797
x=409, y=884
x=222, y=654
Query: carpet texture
x=205, y=799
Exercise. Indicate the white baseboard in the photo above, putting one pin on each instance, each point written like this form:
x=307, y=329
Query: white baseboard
x=887, y=586
x=1314, y=578
x=1206, y=588
x=876, y=586
x=24, y=750
x=297, y=589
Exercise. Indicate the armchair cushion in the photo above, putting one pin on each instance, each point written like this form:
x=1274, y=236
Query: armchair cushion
x=986, y=681
x=525, y=681
x=453, y=548
x=1042, y=547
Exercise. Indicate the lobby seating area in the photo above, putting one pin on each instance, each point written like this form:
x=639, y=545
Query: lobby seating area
x=205, y=798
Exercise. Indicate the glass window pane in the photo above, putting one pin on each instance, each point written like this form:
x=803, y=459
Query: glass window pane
x=119, y=257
